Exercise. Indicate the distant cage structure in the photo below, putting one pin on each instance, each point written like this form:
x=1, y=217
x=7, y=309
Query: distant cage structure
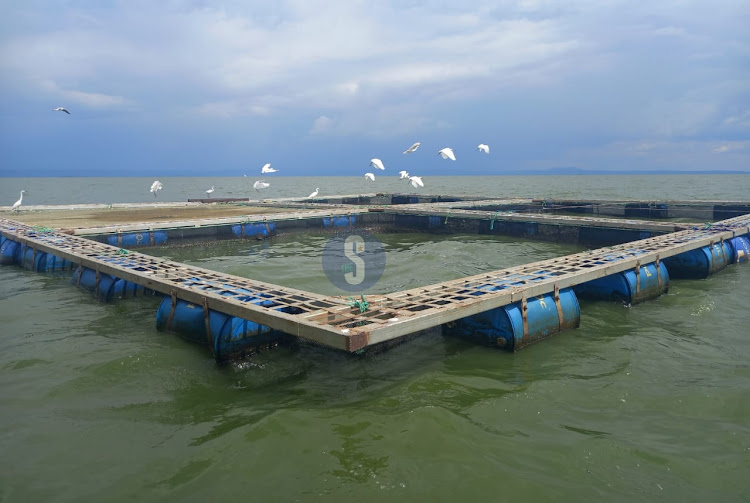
x=511, y=308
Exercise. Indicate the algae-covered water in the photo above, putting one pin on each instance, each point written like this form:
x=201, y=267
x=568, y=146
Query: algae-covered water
x=641, y=403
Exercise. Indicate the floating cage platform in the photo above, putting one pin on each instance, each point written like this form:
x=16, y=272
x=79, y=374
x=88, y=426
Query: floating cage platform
x=639, y=246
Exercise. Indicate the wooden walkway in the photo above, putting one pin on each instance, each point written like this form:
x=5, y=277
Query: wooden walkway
x=331, y=321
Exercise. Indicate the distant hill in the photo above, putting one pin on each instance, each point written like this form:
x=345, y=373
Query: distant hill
x=572, y=170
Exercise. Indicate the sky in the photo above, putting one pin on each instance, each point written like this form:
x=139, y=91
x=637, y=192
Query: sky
x=220, y=88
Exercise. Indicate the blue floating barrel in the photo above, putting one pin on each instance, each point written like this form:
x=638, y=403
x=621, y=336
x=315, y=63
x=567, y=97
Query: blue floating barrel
x=10, y=252
x=626, y=286
x=699, y=263
x=254, y=230
x=51, y=262
x=504, y=326
x=107, y=287
x=230, y=337
x=740, y=249
x=342, y=221
x=435, y=221
x=136, y=239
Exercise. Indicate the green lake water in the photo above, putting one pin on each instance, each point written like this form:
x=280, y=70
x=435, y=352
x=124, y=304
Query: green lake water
x=641, y=403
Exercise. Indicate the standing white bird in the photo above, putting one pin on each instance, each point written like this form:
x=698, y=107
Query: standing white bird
x=260, y=184
x=314, y=194
x=416, y=181
x=484, y=148
x=18, y=203
x=267, y=169
x=412, y=148
x=210, y=191
x=61, y=109
x=156, y=187
x=447, y=153
x=377, y=163
x=403, y=175
x=370, y=176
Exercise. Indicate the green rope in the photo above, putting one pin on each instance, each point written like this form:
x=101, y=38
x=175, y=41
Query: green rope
x=707, y=225
x=122, y=251
x=40, y=229
x=492, y=222
x=446, y=218
x=362, y=304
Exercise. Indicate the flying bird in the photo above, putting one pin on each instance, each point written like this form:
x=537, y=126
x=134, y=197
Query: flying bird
x=412, y=148
x=17, y=204
x=314, y=194
x=403, y=175
x=210, y=191
x=416, y=181
x=447, y=153
x=267, y=169
x=370, y=176
x=260, y=184
x=377, y=163
x=156, y=187
x=484, y=148
x=61, y=109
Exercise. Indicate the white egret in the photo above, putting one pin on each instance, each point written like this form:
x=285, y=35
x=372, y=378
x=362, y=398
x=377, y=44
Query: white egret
x=370, y=176
x=314, y=194
x=156, y=187
x=260, y=184
x=403, y=175
x=17, y=204
x=267, y=169
x=377, y=163
x=61, y=109
x=412, y=148
x=447, y=153
x=416, y=181
x=484, y=148
x=210, y=191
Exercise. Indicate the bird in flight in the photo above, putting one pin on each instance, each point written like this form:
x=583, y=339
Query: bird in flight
x=377, y=163
x=403, y=175
x=370, y=176
x=447, y=153
x=156, y=187
x=260, y=184
x=267, y=169
x=416, y=181
x=412, y=148
x=484, y=148
x=61, y=109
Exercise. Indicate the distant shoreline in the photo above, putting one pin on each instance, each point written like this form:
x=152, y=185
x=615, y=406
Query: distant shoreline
x=546, y=172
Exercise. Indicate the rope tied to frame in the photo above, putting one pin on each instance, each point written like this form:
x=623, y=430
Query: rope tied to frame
x=446, y=218
x=122, y=251
x=707, y=225
x=41, y=229
x=492, y=221
x=361, y=304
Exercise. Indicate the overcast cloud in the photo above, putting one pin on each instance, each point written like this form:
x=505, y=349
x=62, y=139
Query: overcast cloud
x=186, y=87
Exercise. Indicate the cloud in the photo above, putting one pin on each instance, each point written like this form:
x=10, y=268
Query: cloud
x=94, y=100
x=580, y=75
x=729, y=146
x=321, y=125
